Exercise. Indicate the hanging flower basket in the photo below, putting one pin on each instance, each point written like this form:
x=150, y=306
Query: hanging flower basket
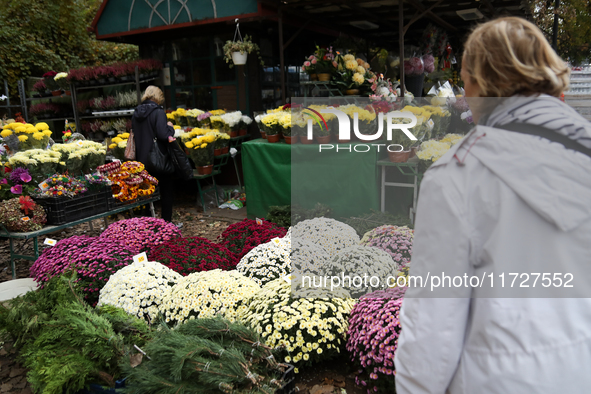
x=239, y=58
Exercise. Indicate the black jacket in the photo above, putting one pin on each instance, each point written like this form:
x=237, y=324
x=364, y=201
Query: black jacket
x=149, y=120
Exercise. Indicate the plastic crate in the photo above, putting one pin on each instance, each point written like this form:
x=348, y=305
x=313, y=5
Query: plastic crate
x=62, y=210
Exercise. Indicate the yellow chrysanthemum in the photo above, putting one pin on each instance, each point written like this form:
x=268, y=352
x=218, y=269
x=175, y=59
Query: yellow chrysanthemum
x=68, y=134
x=169, y=116
x=358, y=78
x=22, y=138
x=47, y=133
x=176, y=127
x=351, y=65
x=361, y=70
x=5, y=133
x=20, y=129
x=112, y=146
x=349, y=57
x=41, y=126
x=124, y=135
x=117, y=140
x=189, y=145
x=31, y=130
x=204, y=145
x=38, y=136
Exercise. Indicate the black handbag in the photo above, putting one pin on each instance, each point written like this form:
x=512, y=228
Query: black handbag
x=180, y=160
x=159, y=163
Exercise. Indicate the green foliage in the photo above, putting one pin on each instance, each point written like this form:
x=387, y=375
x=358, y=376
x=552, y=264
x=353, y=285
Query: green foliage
x=369, y=221
x=205, y=356
x=574, y=27
x=37, y=36
x=64, y=342
x=280, y=215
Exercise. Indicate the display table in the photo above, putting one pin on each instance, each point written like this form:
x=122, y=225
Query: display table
x=51, y=229
x=408, y=169
x=282, y=174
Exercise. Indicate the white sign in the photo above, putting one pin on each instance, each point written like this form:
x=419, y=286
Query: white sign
x=259, y=221
x=140, y=258
x=49, y=241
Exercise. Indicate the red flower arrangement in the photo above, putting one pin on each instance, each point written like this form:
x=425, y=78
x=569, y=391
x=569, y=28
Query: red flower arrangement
x=142, y=233
x=243, y=236
x=194, y=254
x=39, y=86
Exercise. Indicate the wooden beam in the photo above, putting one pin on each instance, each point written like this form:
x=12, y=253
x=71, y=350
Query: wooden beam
x=420, y=15
x=433, y=17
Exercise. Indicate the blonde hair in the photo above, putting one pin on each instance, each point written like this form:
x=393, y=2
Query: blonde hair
x=510, y=56
x=155, y=94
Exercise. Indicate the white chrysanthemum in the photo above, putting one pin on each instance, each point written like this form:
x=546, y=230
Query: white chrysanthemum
x=140, y=289
x=330, y=234
x=267, y=261
x=208, y=294
x=301, y=325
x=308, y=258
x=363, y=262
x=232, y=119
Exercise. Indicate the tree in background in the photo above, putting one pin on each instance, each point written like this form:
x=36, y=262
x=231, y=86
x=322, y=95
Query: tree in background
x=41, y=35
x=574, y=27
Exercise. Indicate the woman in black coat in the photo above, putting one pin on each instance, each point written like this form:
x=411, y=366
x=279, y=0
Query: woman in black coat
x=149, y=121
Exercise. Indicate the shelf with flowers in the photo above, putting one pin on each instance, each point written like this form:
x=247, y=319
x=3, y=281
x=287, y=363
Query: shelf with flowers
x=274, y=124
x=321, y=64
x=353, y=75
x=116, y=73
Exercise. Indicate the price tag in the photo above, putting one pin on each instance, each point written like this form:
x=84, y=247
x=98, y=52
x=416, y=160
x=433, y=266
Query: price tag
x=25, y=219
x=430, y=123
x=43, y=186
x=49, y=241
x=259, y=221
x=276, y=241
x=79, y=143
x=110, y=132
x=140, y=258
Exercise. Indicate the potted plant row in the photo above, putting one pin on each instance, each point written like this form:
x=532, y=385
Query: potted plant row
x=114, y=73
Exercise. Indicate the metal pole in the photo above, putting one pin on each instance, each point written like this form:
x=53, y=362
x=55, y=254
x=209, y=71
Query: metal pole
x=401, y=44
x=137, y=85
x=7, y=98
x=555, y=28
x=281, y=59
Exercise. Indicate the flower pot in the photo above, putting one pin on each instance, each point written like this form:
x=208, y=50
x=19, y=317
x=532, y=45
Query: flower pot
x=205, y=170
x=68, y=93
x=239, y=59
x=217, y=152
x=322, y=139
x=352, y=92
x=233, y=133
x=56, y=93
x=273, y=138
x=399, y=157
x=225, y=150
x=413, y=152
x=325, y=77
x=304, y=140
x=414, y=84
x=288, y=139
x=313, y=77
x=263, y=135
x=242, y=132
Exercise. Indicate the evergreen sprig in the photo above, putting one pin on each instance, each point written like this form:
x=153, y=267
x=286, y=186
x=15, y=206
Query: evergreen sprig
x=206, y=356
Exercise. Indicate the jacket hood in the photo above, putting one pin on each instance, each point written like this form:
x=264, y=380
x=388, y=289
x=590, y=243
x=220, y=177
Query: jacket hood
x=553, y=181
x=143, y=110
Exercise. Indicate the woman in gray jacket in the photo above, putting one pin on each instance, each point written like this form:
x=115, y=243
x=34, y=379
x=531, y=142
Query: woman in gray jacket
x=503, y=234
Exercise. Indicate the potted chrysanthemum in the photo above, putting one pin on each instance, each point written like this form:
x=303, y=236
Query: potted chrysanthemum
x=236, y=52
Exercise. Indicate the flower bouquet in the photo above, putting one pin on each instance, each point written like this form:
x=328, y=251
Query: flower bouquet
x=203, y=120
x=232, y=122
x=194, y=254
x=217, y=122
x=62, y=81
x=118, y=145
x=16, y=183
x=267, y=261
x=374, y=328
x=192, y=115
x=243, y=236
x=222, y=143
x=40, y=87
x=61, y=185
x=201, y=150
x=208, y=294
x=139, y=289
x=143, y=233
x=49, y=80
x=322, y=61
x=180, y=117
x=353, y=75
x=22, y=215
x=310, y=329
x=366, y=118
x=243, y=125
x=431, y=151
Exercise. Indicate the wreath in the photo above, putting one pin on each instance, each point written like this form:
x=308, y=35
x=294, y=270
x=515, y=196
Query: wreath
x=22, y=215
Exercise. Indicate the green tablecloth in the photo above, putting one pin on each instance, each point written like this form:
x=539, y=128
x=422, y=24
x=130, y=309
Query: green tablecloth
x=281, y=174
